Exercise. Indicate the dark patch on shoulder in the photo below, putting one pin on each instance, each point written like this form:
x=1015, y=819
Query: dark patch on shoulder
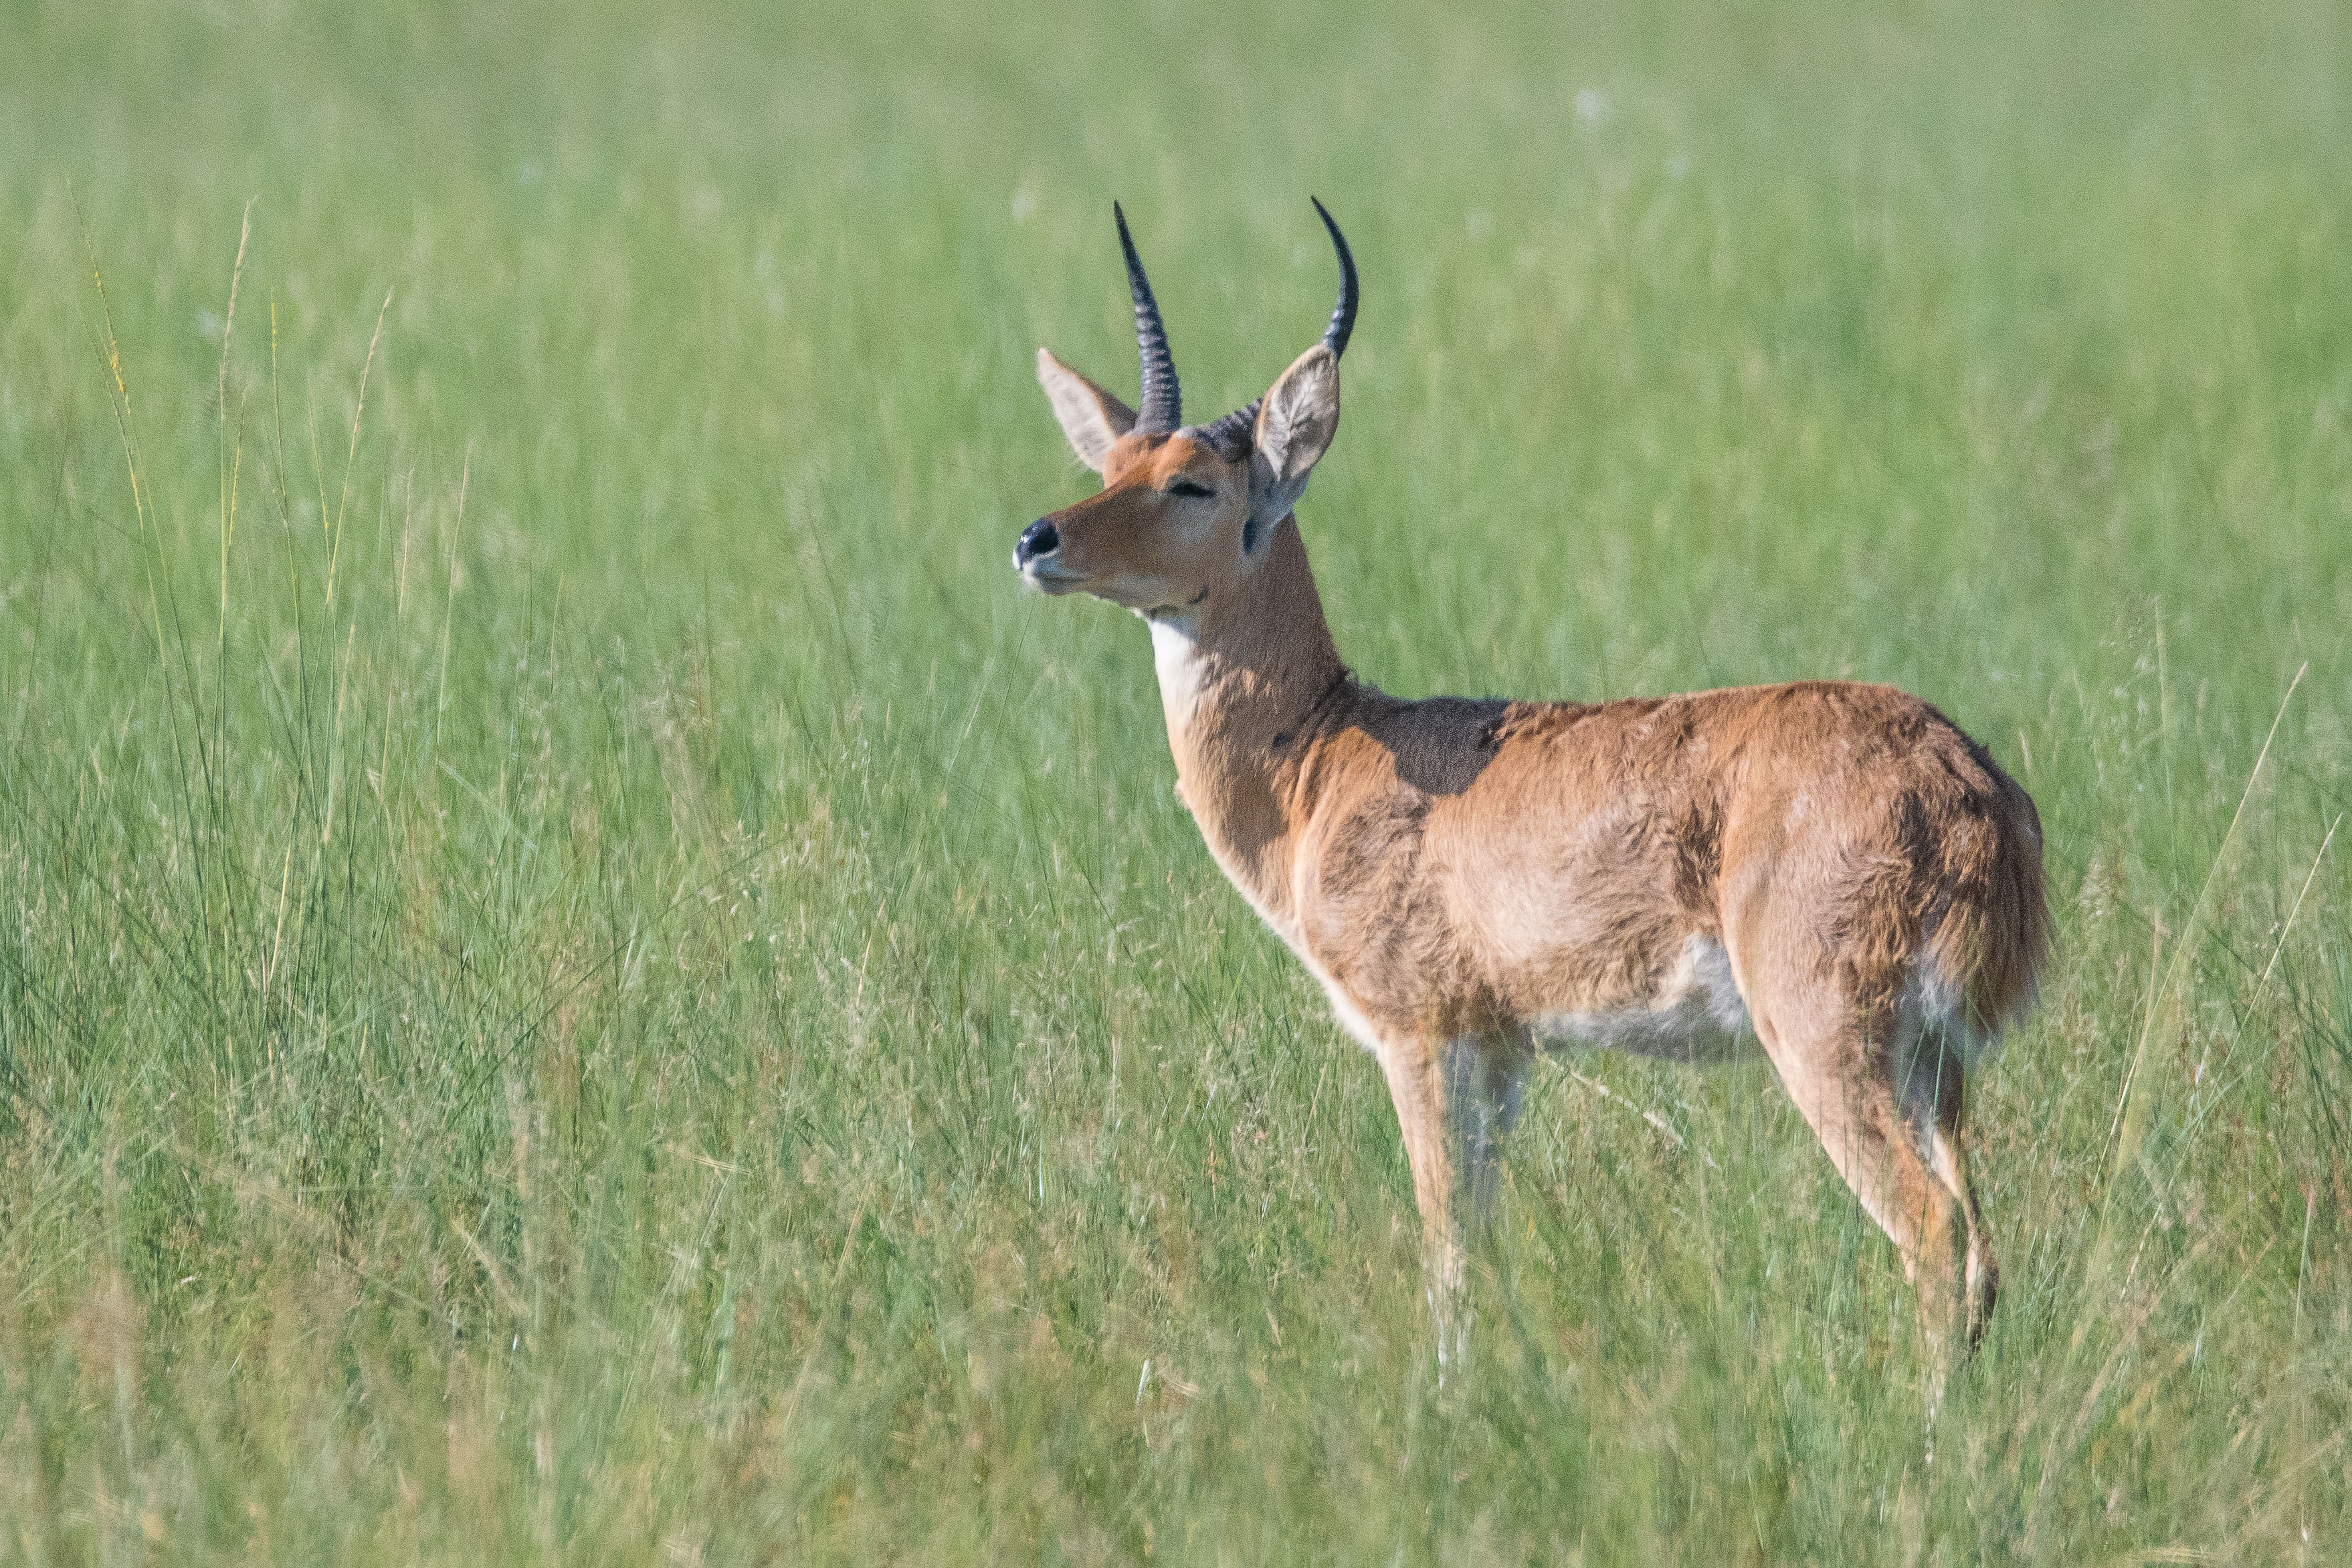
x=1440, y=744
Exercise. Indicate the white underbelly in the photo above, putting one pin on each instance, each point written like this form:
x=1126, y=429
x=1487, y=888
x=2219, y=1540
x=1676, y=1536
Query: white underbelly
x=1695, y=1015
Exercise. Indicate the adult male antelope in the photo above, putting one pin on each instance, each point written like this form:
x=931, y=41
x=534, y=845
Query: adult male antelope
x=1833, y=868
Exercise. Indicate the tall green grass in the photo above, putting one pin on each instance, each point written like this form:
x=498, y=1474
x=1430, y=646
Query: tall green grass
x=582, y=977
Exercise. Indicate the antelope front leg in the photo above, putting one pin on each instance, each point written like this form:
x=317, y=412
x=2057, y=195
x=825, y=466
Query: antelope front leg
x=1417, y=1086
x=1454, y=1099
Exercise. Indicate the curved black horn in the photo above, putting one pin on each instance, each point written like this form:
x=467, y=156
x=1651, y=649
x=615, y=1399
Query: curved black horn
x=1162, y=406
x=1343, y=314
x=1231, y=433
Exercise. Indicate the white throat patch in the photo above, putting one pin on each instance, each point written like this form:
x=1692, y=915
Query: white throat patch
x=1177, y=660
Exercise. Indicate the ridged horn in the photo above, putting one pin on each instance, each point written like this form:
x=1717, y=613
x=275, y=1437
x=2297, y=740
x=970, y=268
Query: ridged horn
x=1231, y=434
x=1160, y=409
x=1343, y=314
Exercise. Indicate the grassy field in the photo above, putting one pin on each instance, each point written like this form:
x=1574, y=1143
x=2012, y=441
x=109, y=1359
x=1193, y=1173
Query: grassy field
x=583, y=979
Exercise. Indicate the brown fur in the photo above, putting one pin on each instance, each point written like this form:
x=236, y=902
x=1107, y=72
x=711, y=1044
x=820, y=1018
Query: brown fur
x=1461, y=875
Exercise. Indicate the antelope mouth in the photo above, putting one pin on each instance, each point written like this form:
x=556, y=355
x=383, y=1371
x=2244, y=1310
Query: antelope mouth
x=1048, y=577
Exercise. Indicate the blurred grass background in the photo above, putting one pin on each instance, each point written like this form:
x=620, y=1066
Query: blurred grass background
x=582, y=978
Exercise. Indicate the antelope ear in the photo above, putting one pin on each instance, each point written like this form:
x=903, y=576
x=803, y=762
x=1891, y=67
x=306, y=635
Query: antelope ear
x=1295, y=427
x=1091, y=418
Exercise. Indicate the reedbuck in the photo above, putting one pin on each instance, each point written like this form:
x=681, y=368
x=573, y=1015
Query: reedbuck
x=1833, y=870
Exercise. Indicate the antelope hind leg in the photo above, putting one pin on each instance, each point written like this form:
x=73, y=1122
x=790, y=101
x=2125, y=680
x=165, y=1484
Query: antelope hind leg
x=1934, y=1096
x=1884, y=1118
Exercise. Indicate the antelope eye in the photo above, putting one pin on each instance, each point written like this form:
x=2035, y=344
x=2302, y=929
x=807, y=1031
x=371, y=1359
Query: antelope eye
x=1190, y=488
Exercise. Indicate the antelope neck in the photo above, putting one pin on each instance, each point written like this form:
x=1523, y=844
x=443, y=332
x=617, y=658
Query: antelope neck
x=1247, y=682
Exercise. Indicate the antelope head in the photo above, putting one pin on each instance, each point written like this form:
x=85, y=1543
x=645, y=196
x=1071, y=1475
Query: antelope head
x=1185, y=510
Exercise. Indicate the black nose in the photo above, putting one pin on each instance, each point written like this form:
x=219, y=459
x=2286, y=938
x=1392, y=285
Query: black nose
x=1040, y=538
